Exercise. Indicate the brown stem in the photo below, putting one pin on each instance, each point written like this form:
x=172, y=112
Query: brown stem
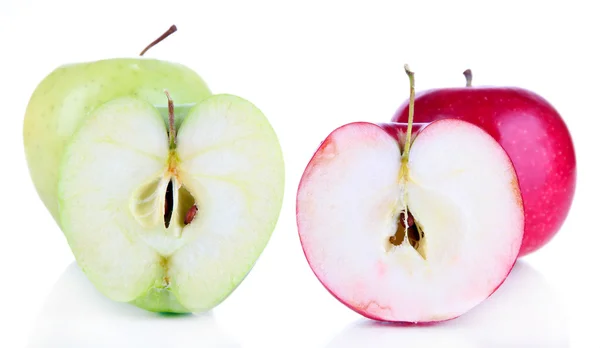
x=469, y=76
x=166, y=34
x=171, y=120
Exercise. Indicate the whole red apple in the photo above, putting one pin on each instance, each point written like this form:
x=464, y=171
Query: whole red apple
x=533, y=134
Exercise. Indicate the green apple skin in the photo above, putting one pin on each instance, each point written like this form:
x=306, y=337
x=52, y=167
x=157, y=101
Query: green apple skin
x=71, y=92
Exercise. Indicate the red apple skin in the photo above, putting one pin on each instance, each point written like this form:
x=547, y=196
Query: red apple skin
x=397, y=131
x=533, y=134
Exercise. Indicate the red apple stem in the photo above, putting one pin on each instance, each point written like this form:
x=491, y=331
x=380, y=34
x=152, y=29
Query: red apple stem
x=166, y=34
x=469, y=76
x=171, y=120
x=411, y=111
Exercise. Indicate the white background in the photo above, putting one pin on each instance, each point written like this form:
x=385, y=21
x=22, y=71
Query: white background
x=311, y=66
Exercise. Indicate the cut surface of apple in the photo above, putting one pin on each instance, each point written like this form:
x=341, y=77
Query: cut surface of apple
x=418, y=240
x=171, y=228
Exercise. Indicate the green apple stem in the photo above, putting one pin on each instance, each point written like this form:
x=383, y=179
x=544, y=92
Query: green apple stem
x=172, y=138
x=166, y=34
x=411, y=111
x=469, y=76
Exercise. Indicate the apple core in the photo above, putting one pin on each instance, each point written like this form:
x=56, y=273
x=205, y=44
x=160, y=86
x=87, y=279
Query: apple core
x=409, y=231
x=176, y=197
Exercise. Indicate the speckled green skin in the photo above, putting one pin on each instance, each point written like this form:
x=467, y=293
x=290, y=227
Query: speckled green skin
x=71, y=92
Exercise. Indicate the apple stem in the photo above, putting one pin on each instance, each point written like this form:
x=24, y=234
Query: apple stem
x=171, y=120
x=469, y=76
x=166, y=34
x=411, y=111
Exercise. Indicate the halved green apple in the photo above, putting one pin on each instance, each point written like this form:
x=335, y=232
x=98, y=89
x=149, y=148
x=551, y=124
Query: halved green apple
x=170, y=222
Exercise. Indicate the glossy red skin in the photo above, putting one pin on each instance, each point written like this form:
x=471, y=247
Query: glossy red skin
x=533, y=134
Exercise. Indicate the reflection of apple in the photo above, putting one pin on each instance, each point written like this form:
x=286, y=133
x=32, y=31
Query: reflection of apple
x=524, y=312
x=76, y=315
x=533, y=134
x=166, y=205
x=421, y=233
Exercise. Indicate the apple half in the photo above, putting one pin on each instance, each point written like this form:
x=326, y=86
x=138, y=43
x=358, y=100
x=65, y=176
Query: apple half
x=170, y=222
x=422, y=235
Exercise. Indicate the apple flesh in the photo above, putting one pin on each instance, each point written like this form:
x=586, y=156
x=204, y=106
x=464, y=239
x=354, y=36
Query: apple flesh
x=124, y=194
x=417, y=237
x=68, y=95
x=533, y=134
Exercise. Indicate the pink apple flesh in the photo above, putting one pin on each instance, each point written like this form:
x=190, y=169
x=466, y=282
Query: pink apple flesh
x=460, y=187
x=533, y=134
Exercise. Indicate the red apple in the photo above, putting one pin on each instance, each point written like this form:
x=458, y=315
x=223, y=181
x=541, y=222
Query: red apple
x=533, y=134
x=410, y=225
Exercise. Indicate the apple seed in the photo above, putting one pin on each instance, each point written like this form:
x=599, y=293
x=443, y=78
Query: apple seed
x=412, y=232
x=190, y=215
x=168, y=204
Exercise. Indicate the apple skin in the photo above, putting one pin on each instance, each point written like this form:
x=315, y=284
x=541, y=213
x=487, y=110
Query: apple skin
x=533, y=134
x=71, y=92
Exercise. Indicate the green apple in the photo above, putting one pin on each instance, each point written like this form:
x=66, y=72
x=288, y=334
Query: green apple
x=164, y=205
x=72, y=92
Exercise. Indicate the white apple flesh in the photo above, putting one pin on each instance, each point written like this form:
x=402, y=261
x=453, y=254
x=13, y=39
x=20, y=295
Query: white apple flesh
x=124, y=193
x=465, y=229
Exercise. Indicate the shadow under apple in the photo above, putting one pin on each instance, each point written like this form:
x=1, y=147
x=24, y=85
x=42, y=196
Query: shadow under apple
x=523, y=312
x=75, y=314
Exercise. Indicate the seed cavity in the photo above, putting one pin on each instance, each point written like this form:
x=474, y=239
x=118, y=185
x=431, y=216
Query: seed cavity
x=410, y=231
x=164, y=201
x=187, y=207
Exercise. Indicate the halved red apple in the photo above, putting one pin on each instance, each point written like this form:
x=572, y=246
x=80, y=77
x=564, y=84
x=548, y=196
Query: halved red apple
x=416, y=233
